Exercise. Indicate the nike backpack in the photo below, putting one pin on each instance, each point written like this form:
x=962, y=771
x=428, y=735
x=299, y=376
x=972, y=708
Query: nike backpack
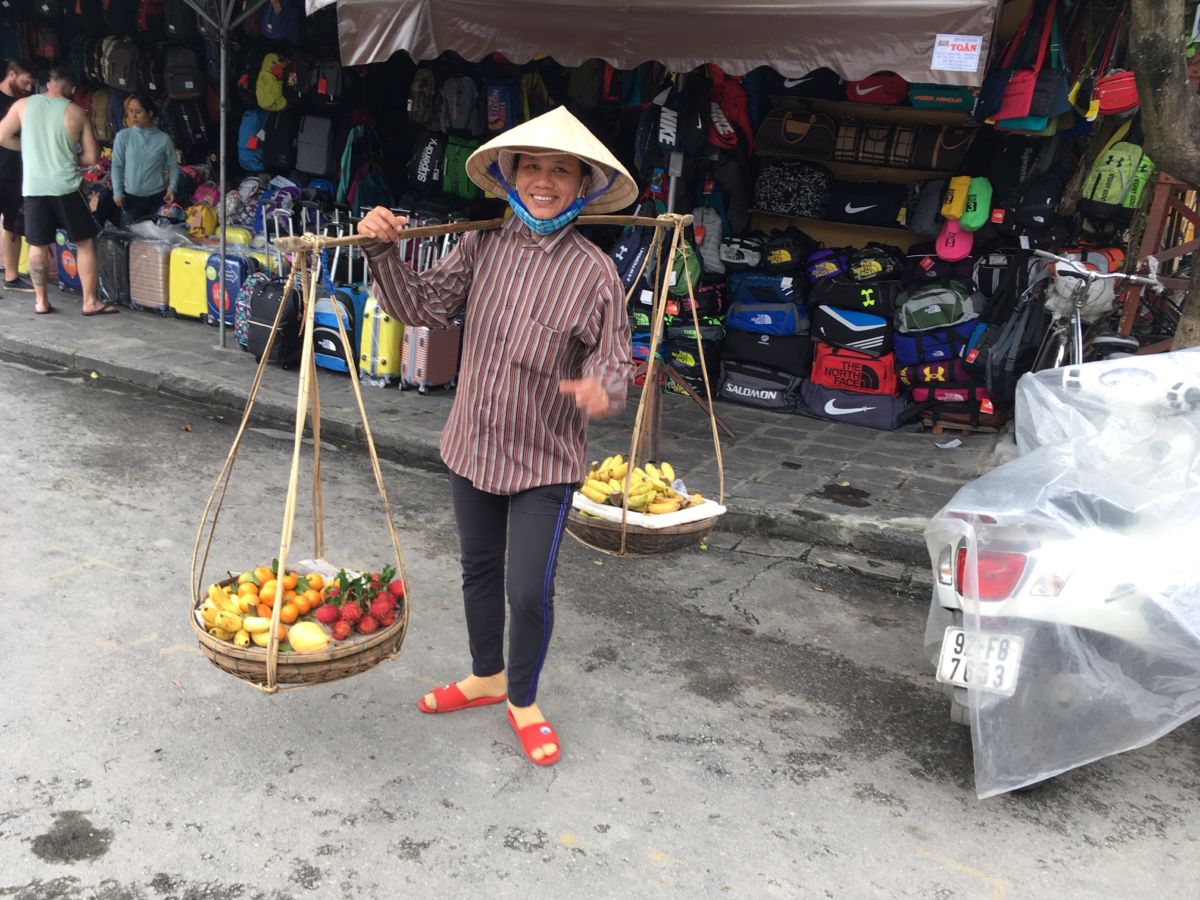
x=880, y=412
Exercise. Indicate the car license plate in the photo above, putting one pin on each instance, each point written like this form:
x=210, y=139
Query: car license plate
x=989, y=662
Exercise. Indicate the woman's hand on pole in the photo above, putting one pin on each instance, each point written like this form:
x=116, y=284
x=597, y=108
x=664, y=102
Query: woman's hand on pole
x=589, y=394
x=382, y=224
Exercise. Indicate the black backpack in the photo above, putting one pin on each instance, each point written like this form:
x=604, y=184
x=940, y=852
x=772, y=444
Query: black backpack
x=1031, y=211
x=279, y=143
x=427, y=162
x=183, y=76
x=264, y=304
x=179, y=21
x=184, y=121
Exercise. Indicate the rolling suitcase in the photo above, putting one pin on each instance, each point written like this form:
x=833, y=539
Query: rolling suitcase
x=23, y=262
x=189, y=285
x=237, y=269
x=264, y=303
x=379, y=346
x=430, y=357
x=149, y=274
x=112, y=260
x=66, y=263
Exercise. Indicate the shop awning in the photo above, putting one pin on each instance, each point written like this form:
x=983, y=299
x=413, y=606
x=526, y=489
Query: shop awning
x=852, y=37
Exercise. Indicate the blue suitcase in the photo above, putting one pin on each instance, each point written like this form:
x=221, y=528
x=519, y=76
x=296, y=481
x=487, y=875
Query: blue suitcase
x=237, y=270
x=67, y=263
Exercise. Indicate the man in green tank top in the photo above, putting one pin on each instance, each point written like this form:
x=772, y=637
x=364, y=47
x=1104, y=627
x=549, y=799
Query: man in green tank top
x=55, y=140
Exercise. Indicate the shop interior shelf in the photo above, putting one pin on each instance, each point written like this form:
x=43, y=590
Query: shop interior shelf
x=848, y=110
x=834, y=234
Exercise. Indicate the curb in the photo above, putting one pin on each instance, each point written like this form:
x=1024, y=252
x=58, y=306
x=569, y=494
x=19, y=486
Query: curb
x=899, y=540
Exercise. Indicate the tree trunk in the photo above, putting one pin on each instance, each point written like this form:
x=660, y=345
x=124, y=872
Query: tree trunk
x=1170, y=116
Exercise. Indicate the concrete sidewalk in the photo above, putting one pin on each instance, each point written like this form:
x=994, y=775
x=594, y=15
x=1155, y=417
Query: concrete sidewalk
x=786, y=476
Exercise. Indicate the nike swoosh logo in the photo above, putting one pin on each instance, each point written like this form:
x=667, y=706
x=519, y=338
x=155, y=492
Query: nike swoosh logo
x=795, y=82
x=851, y=209
x=832, y=409
x=862, y=91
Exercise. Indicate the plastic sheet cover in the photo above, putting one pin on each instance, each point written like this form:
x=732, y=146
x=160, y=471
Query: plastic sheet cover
x=1080, y=570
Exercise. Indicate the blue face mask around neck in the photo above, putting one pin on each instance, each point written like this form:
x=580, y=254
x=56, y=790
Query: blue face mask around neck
x=544, y=226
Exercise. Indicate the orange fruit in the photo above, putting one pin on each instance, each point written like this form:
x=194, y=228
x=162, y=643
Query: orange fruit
x=313, y=595
x=289, y=580
x=304, y=604
x=315, y=581
x=247, y=588
x=289, y=596
x=268, y=590
x=263, y=574
x=263, y=610
x=290, y=613
x=282, y=633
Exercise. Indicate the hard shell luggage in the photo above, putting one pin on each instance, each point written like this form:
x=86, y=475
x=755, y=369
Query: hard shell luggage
x=189, y=285
x=149, y=274
x=221, y=297
x=379, y=345
x=112, y=260
x=430, y=357
x=66, y=262
x=264, y=304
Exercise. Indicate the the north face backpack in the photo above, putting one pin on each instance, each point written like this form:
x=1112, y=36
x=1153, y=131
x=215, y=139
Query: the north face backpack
x=935, y=305
x=687, y=269
x=848, y=370
x=875, y=261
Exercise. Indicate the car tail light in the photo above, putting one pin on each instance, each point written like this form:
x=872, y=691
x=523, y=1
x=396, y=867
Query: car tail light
x=998, y=572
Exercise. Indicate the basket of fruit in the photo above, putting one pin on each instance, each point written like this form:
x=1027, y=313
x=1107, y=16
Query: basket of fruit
x=643, y=511
x=312, y=622
x=331, y=625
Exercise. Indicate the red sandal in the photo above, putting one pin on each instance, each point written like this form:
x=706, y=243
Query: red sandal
x=451, y=699
x=535, y=735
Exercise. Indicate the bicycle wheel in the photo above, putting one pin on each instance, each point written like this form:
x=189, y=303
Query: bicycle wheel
x=1055, y=349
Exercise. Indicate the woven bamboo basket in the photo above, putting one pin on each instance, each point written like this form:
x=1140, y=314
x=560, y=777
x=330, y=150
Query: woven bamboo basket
x=639, y=541
x=343, y=660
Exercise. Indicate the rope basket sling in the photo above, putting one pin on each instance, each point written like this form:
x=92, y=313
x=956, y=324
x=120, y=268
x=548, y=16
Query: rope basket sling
x=625, y=538
x=267, y=668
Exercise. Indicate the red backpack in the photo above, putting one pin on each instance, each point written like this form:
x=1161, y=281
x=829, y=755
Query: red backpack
x=729, y=123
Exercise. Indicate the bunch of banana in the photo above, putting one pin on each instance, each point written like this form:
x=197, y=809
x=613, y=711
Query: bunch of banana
x=650, y=486
x=223, y=618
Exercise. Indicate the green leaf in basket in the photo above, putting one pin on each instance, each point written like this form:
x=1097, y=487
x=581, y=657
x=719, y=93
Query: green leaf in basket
x=275, y=566
x=301, y=585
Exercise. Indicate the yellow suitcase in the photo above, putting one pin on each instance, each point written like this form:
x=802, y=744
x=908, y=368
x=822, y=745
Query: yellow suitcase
x=380, y=346
x=189, y=284
x=23, y=262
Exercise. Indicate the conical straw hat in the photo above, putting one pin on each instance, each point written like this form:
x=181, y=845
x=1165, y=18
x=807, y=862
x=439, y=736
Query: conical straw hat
x=556, y=132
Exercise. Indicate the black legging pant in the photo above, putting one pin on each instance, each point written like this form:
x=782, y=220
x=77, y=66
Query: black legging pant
x=139, y=208
x=535, y=519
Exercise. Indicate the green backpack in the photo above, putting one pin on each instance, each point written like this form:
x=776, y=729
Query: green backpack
x=454, y=168
x=1117, y=180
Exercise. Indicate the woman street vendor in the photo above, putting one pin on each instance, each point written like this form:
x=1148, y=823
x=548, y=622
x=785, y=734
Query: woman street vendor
x=546, y=348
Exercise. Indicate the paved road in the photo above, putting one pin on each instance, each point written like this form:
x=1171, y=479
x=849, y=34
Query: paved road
x=737, y=722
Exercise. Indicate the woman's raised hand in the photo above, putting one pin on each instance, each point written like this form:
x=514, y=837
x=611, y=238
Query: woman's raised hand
x=382, y=224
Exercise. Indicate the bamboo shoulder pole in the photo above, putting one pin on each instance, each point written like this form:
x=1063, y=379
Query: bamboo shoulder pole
x=304, y=242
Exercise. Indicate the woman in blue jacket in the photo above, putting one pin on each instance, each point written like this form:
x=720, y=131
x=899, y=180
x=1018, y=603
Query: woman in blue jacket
x=145, y=172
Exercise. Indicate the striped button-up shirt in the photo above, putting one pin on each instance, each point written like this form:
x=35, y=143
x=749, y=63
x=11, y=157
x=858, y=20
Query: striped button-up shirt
x=539, y=309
